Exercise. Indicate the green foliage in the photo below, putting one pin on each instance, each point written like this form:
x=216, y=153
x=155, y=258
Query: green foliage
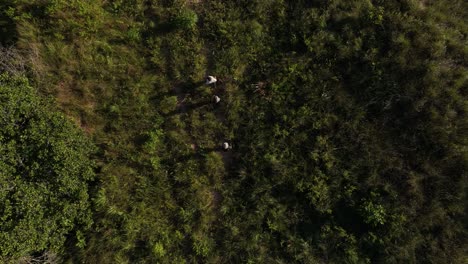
x=168, y=104
x=44, y=174
x=374, y=214
x=347, y=120
x=185, y=19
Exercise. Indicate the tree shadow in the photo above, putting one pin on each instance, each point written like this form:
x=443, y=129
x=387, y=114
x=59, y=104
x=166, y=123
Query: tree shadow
x=206, y=151
x=140, y=140
x=184, y=89
x=187, y=108
x=8, y=32
x=160, y=96
x=160, y=29
x=198, y=155
x=191, y=87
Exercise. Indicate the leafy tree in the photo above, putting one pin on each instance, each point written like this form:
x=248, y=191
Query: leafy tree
x=45, y=168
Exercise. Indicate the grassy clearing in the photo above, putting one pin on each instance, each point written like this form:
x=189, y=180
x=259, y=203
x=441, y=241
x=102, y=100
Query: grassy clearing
x=337, y=110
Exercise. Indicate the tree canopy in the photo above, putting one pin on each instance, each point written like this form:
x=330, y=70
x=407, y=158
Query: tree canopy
x=45, y=168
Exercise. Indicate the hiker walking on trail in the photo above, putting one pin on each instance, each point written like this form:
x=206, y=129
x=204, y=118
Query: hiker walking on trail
x=210, y=80
x=226, y=146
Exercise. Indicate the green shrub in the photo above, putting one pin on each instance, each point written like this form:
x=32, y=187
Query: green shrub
x=185, y=19
x=168, y=104
x=44, y=173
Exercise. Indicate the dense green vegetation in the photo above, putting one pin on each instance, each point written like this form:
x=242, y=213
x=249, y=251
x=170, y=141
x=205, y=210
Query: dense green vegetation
x=44, y=171
x=347, y=120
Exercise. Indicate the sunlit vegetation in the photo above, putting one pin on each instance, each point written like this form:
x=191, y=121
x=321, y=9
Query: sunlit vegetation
x=347, y=121
x=44, y=174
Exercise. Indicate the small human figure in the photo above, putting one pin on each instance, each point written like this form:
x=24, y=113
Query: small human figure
x=216, y=99
x=226, y=146
x=210, y=80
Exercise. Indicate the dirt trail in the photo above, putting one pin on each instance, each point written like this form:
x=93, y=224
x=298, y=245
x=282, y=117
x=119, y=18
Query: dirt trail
x=209, y=53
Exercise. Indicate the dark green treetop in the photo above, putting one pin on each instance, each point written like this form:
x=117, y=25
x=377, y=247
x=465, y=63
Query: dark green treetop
x=44, y=173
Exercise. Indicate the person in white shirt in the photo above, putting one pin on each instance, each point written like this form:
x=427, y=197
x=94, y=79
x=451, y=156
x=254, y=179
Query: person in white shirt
x=210, y=80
